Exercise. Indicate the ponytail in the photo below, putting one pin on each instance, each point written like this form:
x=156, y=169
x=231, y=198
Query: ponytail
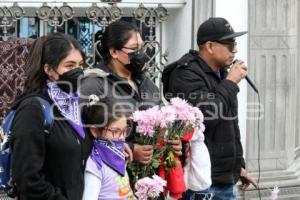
x=35, y=75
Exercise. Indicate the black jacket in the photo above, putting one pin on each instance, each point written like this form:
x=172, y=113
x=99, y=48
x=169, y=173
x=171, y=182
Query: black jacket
x=104, y=83
x=192, y=79
x=47, y=167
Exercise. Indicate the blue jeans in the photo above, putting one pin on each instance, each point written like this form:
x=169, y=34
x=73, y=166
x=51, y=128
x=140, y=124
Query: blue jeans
x=200, y=195
x=215, y=192
x=223, y=192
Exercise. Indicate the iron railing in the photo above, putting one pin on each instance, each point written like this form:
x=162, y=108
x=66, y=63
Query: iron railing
x=52, y=18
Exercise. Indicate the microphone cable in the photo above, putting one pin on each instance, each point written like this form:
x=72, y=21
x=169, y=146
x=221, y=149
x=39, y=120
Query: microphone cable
x=258, y=133
x=249, y=81
x=258, y=144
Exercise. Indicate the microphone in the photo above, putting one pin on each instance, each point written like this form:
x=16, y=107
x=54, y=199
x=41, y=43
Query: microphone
x=249, y=80
x=251, y=83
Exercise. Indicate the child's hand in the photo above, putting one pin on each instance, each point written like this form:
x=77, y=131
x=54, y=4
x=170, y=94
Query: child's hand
x=142, y=153
x=176, y=146
x=128, y=153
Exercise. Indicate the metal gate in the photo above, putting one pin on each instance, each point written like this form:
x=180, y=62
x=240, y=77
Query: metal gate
x=20, y=25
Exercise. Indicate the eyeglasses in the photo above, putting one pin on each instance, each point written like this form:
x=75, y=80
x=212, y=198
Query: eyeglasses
x=132, y=49
x=228, y=43
x=118, y=132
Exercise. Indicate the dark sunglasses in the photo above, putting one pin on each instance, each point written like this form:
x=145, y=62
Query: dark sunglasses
x=230, y=44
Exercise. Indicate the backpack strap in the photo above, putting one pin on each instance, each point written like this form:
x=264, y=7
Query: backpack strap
x=7, y=122
x=185, y=61
x=47, y=113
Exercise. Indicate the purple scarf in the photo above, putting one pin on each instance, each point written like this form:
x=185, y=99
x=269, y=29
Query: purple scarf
x=111, y=153
x=67, y=104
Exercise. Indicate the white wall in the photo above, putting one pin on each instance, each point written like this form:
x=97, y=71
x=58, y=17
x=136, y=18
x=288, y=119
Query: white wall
x=236, y=12
x=177, y=31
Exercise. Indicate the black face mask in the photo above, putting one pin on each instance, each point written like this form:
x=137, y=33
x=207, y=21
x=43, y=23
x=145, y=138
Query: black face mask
x=68, y=80
x=137, y=60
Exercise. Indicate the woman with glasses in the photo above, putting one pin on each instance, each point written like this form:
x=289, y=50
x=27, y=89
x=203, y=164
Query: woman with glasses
x=105, y=173
x=121, y=78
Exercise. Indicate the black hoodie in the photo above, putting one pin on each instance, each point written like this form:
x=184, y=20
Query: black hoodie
x=46, y=167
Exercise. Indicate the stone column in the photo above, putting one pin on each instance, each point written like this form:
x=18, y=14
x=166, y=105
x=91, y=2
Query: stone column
x=273, y=66
x=297, y=139
x=202, y=10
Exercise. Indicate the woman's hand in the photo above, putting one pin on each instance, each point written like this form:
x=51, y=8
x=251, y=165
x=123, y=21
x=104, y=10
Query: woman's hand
x=176, y=146
x=142, y=153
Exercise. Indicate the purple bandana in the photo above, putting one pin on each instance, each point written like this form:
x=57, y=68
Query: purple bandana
x=218, y=73
x=67, y=105
x=111, y=153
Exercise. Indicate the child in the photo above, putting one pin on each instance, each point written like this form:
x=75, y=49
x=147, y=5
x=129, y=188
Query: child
x=105, y=173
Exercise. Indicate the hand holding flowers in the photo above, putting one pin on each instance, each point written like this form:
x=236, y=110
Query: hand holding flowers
x=146, y=136
x=164, y=128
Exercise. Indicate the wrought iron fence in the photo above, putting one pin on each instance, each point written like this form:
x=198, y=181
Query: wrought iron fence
x=18, y=25
x=83, y=23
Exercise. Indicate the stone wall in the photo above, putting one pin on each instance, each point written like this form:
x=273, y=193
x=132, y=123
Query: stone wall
x=273, y=52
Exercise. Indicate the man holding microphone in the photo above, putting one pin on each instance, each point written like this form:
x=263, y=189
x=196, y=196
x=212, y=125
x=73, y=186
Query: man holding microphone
x=203, y=79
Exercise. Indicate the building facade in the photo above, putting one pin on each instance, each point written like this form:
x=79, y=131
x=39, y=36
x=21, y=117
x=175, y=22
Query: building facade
x=270, y=122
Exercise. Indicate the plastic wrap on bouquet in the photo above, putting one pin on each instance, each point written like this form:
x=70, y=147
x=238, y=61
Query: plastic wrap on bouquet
x=175, y=180
x=187, y=136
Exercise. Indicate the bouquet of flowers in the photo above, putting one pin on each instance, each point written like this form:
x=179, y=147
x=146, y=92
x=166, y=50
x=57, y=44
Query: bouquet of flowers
x=149, y=187
x=179, y=119
x=157, y=125
x=147, y=132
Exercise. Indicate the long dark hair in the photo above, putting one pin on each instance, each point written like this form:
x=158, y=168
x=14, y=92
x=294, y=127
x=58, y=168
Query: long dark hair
x=116, y=35
x=51, y=50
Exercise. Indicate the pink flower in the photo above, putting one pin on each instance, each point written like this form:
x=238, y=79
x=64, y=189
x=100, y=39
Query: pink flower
x=179, y=103
x=147, y=121
x=182, y=109
x=188, y=114
x=274, y=193
x=168, y=116
x=149, y=188
x=199, y=118
x=160, y=183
